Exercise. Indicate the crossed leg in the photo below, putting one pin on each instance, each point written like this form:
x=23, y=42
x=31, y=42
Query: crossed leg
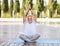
x=29, y=38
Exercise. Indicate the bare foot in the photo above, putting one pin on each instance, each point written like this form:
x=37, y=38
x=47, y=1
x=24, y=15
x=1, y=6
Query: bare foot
x=25, y=45
x=33, y=41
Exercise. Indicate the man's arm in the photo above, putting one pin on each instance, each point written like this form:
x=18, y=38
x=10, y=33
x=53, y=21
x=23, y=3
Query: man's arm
x=34, y=15
x=25, y=13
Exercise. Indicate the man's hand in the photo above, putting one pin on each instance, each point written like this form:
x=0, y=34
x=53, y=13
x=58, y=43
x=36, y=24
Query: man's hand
x=26, y=12
x=29, y=7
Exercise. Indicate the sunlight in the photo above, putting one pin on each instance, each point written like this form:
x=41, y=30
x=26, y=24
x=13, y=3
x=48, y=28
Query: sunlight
x=58, y=1
x=20, y=3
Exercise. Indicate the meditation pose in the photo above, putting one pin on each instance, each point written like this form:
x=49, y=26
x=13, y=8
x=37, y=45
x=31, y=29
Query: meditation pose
x=29, y=30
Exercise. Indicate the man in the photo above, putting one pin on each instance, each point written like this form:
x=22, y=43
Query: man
x=29, y=21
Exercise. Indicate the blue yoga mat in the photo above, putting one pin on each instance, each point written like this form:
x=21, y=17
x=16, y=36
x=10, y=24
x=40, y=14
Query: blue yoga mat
x=38, y=41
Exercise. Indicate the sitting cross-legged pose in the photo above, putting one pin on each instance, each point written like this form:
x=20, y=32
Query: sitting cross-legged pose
x=29, y=31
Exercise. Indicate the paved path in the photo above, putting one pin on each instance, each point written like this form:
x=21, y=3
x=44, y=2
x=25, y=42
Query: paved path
x=11, y=32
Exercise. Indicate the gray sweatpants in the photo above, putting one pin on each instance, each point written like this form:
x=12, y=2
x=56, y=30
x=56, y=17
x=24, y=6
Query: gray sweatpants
x=29, y=37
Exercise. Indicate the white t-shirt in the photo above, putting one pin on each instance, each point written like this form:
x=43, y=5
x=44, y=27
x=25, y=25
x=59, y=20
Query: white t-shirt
x=30, y=29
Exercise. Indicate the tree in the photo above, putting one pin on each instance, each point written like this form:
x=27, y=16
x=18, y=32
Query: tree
x=31, y=3
x=5, y=6
x=11, y=7
x=40, y=7
x=24, y=4
x=38, y=12
x=58, y=8
x=17, y=6
x=54, y=8
x=0, y=9
x=55, y=5
x=23, y=8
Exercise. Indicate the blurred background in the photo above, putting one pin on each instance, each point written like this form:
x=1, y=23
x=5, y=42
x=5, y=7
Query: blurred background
x=48, y=14
x=48, y=18
x=43, y=8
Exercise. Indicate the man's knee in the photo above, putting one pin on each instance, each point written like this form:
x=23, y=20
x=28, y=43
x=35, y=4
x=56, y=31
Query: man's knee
x=21, y=36
x=37, y=35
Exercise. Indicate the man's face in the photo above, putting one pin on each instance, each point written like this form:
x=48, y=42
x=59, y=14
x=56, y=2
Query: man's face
x=30, y=19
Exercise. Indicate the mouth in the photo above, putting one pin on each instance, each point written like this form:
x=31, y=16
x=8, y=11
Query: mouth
x=30, y=22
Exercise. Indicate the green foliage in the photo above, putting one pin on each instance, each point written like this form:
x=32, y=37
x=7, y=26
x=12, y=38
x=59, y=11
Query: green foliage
x=24, y=2
x=58, y=16
x=5, y=5
x=41, y=7
x=45, y=9
x=31, y=4
x=38, y=13
x=55, y=5
x=0, y=10
x=58, y=8
x=11, y=7
x=17, y=6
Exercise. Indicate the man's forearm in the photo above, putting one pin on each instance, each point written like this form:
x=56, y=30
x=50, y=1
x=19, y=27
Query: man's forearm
x=34, y=15
x=27, y=10
x=25, y=13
